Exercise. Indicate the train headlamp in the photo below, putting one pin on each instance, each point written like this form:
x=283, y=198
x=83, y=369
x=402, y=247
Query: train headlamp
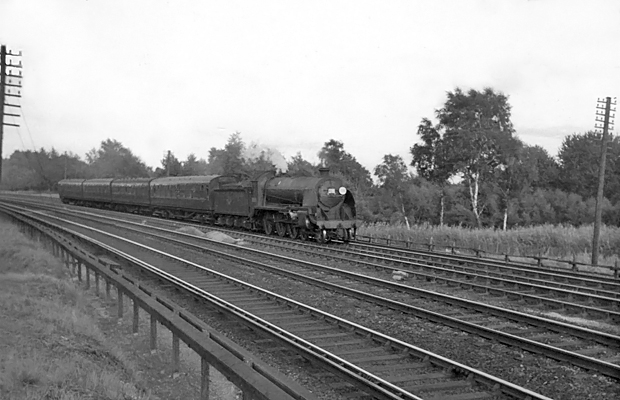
x=342, y=190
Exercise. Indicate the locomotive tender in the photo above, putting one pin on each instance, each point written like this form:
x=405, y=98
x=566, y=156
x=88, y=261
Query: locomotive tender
x=298, y=207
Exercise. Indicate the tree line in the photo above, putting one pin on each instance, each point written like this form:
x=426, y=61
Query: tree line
x=470, y=170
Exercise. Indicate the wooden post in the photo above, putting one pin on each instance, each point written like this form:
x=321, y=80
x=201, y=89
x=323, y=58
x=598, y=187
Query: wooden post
x=204, y=379
x=96, y=283
x=136, y=315
x=107, y=289
x=120, y=302
x=153, y=332
x=87, y=276
x=176, y=356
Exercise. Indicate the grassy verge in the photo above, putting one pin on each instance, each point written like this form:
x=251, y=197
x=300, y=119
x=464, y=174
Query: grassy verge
x=561, y=242
x=50, y=344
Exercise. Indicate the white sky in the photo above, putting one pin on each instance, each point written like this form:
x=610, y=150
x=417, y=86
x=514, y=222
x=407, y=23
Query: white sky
x=183, y=75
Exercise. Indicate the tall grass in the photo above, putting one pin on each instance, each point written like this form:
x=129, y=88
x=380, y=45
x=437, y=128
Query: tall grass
x=51, y=345
x=562, y=242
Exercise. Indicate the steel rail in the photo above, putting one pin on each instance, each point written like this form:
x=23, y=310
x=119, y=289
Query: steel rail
x=300, y=344
x=574, y=358
x=471, y=277
x=579, y=290
x=560, y=273
x=612, y=314
x=583, y=333
x=560, y=354
x=565, y=273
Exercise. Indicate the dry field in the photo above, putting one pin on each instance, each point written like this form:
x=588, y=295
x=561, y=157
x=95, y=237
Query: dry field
x=555, y=242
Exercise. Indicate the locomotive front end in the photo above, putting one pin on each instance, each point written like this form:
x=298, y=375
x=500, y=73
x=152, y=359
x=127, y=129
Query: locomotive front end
x=335, y=211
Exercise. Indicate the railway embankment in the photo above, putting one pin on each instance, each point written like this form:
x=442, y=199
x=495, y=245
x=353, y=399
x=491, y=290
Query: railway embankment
x=59, y=341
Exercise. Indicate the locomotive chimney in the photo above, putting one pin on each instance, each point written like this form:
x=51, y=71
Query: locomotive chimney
x=323, y=171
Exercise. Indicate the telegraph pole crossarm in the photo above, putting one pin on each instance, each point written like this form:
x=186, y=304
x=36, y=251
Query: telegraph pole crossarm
x=7, y=71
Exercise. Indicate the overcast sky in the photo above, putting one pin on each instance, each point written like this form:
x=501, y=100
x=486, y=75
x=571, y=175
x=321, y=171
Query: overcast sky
x=183, y=75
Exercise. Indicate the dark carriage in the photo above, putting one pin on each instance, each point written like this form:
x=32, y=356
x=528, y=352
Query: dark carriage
x=97, y=191
x=183, y=197
x=131, y=194
x=70, y=190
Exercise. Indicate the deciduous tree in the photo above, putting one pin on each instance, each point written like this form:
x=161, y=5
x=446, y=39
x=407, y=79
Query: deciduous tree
x=333, y=155
x=579, y=158
x=193, y=166
x=394, y=179
x=430, y=160
x=113, y=160
x=299, y=166
x=170, y=166
x=475, y=134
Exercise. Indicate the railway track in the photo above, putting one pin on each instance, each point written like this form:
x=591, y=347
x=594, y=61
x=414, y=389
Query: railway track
x=545, y=334
x=381, y=364
x=585, y=300
x=528, y=273
x=582, y=347
x=596, y=296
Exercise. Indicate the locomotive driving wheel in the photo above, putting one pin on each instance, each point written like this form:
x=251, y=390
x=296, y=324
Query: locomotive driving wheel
x=293, y=231
x=303, y=234
x=281, y=229
x=267, y=225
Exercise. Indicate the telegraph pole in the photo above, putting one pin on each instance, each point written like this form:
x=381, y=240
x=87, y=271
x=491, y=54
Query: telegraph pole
x=7, y=70
x=603, y=117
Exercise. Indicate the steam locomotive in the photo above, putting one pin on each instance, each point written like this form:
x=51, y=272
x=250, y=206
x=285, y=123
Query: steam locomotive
x=319, y=208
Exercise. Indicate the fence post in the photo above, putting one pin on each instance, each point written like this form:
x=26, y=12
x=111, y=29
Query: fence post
x=136, y=315
x=87, y=276
x=153, y=333
x=119, y=294
x=204, y=379
x=96, y=283
x=175, y=352
x=574, y=262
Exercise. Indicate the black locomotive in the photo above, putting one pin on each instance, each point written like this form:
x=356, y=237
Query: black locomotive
x=298, y=207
